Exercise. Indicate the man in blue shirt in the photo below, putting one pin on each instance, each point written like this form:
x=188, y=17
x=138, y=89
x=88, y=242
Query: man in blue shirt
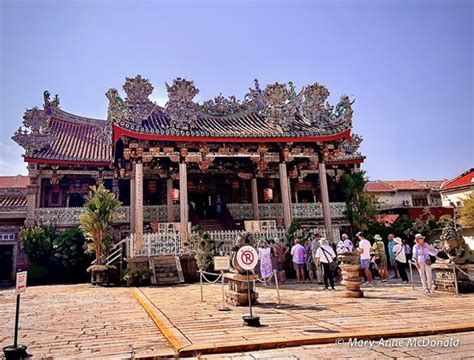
x=391, y=254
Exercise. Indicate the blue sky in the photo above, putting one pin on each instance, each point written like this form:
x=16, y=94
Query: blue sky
x=408, y=64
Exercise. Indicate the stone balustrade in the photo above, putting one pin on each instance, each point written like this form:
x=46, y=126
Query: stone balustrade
x=61, y=216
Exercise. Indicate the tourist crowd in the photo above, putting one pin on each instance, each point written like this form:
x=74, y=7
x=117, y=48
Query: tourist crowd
x=316, y=260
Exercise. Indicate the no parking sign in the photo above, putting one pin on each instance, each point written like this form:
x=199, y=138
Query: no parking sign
x=247, y=257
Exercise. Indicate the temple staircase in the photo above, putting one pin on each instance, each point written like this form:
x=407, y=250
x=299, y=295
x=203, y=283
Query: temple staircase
x=166, y=270
x=212, y=225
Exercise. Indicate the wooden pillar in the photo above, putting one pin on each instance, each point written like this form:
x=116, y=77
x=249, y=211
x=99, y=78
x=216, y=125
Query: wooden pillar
x=138, y=206
x=325, y=201
x=132, y=202
x=254, y=188
x=285, y=194
x=183, y=200
x=169, y=201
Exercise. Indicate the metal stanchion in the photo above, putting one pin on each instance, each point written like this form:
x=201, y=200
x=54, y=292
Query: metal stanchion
x=455, y=279
x=224, y=307
x=275, y=273
x=200, y=281
x=411, y=275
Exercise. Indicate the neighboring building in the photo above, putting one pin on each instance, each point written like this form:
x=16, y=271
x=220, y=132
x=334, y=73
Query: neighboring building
x=453, y=193
x=456, y=190
x=13, y=194
x=409, y=197
x=276, y=156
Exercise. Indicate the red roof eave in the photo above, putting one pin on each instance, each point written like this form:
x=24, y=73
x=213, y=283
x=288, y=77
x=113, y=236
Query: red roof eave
x=66, y=162
x=118, y=132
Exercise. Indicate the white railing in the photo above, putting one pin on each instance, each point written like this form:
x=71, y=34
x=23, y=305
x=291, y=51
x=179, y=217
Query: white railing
x=156, y=244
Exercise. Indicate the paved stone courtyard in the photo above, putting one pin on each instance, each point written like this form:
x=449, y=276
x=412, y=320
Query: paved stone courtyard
x=81, y=321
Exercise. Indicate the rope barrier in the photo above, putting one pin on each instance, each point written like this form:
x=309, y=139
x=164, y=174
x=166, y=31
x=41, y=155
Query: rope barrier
x=209, y=273
x=267, y=280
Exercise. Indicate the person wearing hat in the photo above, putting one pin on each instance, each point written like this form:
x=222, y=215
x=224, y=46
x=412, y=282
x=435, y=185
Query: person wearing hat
x=315, y=244
x=324, y=256
x=279, y=251
x=379, y=250
x=400, y=258
x=347, y=242
x=391, y=254
x=421, y=254
x=364, y=250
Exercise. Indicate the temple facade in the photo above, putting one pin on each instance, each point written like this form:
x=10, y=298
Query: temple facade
x=224, y=164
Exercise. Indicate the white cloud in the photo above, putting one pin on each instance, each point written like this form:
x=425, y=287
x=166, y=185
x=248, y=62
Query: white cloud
x=11, y=161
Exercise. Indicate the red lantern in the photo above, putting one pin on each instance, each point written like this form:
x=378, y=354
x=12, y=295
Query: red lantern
x=174, y=195
x=268, y=194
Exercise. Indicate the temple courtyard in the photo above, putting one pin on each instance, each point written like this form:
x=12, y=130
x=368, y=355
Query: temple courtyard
x=82, y=321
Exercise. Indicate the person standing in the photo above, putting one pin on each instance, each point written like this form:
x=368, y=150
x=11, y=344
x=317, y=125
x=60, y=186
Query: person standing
x=364, y=250
x=265, y=256
x=347, y=242
x=298, y=253
x=391, y=254
x=280, y=250
x=379, y=251
x=407, y=250
x=315, y=244
x=400, y=259
x=324, y=256
x=421, y=256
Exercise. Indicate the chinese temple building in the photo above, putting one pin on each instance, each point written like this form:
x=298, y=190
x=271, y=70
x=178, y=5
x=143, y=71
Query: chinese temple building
x=224, y=164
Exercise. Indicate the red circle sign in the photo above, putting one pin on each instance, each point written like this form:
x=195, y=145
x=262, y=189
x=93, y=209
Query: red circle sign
x=247, y=257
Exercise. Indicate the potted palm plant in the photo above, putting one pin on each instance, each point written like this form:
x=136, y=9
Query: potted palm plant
x=96, y=223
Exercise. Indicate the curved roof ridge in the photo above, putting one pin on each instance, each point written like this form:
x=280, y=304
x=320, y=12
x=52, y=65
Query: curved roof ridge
x=60, y=114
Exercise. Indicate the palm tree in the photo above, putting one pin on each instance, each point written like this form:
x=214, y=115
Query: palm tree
x=361, y=207
x=96, y=222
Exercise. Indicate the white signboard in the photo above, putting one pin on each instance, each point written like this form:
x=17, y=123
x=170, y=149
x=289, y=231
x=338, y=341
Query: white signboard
x=221, y=263
x=21, y=282
x=247, y=257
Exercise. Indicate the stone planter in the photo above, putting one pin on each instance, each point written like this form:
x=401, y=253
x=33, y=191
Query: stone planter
x=237, y=292
x=350, y=274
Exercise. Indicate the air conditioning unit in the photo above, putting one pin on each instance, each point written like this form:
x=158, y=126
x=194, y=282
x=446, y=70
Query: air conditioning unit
x=406, y=203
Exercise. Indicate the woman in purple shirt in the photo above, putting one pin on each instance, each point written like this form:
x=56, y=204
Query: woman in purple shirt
x=421, y=256
x=299, y=254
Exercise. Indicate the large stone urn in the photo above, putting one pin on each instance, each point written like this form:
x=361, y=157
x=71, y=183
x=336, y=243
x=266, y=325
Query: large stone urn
x=350, y=264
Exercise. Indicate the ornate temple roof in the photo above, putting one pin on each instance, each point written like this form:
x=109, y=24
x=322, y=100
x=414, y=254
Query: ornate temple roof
x=276, y=114
x=51, y=134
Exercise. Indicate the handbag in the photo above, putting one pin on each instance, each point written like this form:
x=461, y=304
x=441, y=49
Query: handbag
x=332, y=264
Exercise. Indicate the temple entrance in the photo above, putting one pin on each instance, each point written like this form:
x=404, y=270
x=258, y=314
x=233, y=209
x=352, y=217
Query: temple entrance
x=6, y=262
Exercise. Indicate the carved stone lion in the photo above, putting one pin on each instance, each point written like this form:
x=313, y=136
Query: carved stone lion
x=452, y=246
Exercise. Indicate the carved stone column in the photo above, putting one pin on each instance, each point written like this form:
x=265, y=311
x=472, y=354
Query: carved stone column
x=169, y=201
x=254, y=188
x=325, y=201
x=183, y=200
x=138, y=206
x=32, y=201
x=285, y=195
x=132, y=201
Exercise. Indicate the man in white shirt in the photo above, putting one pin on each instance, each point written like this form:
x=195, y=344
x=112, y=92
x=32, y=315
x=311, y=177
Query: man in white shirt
x=364, y=251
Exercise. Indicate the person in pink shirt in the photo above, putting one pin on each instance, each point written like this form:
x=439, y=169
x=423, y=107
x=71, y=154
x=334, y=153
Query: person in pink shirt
x=299, y=253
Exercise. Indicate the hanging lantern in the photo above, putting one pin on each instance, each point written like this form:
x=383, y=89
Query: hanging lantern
x=174, y=195
x=152, y=186
x=268, y=194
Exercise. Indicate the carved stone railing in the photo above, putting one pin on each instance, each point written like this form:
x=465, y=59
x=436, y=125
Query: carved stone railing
x=159, y=212
x=315, y=210
x=241, y=211
x=62, y=216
